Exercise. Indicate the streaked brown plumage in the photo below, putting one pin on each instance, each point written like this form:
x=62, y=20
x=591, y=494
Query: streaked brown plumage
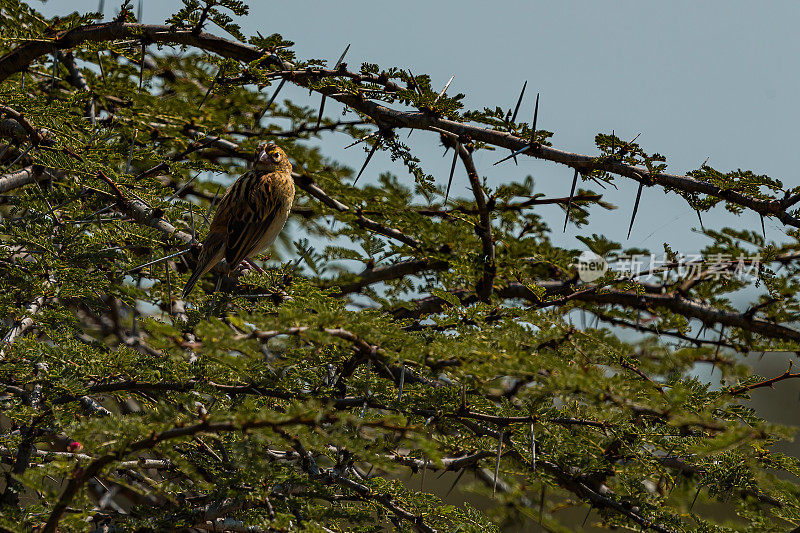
x=251, y=214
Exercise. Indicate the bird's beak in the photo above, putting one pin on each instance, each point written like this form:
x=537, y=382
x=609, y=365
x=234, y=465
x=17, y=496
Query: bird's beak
x=263, y=157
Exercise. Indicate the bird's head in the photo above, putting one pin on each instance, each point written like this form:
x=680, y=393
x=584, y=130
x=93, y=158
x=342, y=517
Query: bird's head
x=270, y=158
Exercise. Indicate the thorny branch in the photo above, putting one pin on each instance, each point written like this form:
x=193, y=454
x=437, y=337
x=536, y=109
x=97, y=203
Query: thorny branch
x=563, y=292
x=20, y=58
x=556, y=293
x=788, y=374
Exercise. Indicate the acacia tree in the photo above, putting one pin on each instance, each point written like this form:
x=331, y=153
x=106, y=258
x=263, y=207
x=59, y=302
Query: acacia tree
x=299, y=397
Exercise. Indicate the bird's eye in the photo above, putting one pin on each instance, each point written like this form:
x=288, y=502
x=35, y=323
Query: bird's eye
x=276, y=155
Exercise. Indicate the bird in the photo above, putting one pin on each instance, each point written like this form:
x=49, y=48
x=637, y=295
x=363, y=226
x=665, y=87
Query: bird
x=251, y=214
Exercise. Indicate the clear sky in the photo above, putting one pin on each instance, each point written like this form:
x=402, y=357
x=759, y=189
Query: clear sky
x=712, y=80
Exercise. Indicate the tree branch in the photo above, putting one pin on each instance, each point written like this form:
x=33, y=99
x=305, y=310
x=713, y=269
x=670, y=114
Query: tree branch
x=29, y=174
x=484, y=227
x=389, y=272
x=765, y=383
x=672, y=301
x=20, y=58
x=23, y=326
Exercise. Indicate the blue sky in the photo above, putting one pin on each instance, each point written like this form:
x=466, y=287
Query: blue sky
x=713, y=80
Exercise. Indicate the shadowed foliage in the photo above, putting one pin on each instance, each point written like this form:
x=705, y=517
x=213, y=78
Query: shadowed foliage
x=396, y=329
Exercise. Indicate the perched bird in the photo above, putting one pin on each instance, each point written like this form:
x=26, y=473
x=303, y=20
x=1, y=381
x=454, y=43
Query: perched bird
x=251, y=214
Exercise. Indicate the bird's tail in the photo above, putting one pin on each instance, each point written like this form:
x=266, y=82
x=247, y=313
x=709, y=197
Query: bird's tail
x=211, y=254
x=192, y=280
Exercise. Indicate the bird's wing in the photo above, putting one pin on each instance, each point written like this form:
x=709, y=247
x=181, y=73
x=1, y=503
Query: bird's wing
x=255, y=209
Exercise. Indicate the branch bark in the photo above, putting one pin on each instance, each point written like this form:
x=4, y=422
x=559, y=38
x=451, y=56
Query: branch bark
x=29, y=174
x=394, y=271
x=484, y=228
x=23, y=326
x=672, y=301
